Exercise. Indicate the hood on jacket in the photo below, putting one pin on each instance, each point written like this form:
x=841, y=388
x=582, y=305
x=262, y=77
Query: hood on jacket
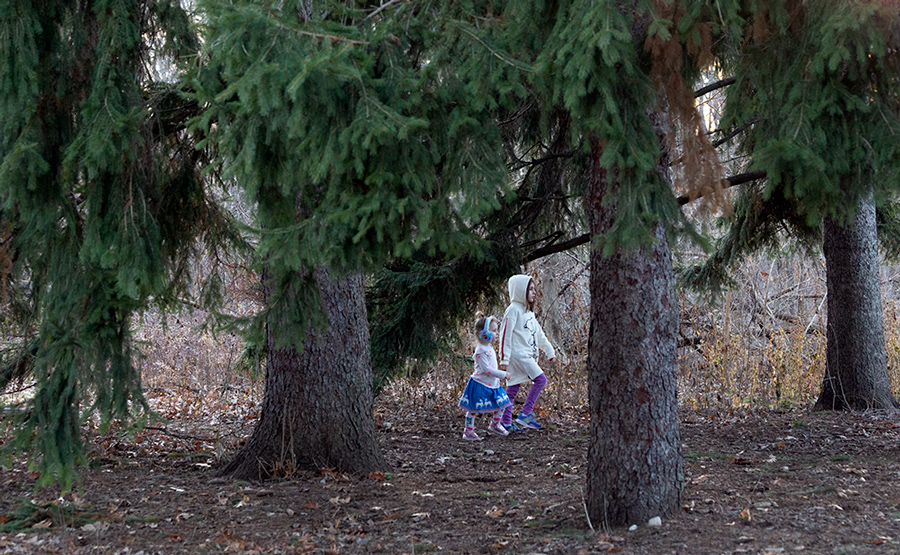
x=518, y=287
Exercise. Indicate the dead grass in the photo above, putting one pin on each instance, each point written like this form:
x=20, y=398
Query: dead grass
x=762, y=345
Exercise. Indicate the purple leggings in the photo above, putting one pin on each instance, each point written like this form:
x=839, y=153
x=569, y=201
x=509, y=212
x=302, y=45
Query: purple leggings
x=537, y=385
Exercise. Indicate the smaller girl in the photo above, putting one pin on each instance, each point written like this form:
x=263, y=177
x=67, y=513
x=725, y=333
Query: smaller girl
x=483, y=393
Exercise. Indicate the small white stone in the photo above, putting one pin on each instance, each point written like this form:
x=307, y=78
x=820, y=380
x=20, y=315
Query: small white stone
x=632, y=528
x=655, y=521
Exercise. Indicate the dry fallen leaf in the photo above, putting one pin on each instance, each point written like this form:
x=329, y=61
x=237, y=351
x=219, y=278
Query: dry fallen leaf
x=236, y=546
x=745, y=514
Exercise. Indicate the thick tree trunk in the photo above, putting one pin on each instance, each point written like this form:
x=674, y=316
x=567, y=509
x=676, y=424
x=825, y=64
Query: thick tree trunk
x=856, y=376
x=634, y=464
x=317, y=407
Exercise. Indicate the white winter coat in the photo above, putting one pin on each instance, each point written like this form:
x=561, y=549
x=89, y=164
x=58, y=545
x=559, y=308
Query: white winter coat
x=521, y=336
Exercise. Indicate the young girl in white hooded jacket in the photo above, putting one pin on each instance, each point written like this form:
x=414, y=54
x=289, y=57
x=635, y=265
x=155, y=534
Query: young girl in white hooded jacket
x=521, y=339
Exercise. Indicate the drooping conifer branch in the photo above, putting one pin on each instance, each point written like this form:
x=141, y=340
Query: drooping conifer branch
x=548, y=157
x=554, y=248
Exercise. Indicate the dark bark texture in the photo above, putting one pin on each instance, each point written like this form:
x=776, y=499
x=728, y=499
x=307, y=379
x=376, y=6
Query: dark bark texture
x=317, y=407
x=634, y=463
x=856, y=375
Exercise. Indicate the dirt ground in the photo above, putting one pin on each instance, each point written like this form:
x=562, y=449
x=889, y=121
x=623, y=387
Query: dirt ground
x=757, y=482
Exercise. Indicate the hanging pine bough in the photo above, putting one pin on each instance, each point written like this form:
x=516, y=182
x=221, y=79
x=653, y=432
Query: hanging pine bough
x=356, y=148
x=102, y=201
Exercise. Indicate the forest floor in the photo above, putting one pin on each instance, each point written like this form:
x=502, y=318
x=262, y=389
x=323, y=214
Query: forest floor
x=761, y=482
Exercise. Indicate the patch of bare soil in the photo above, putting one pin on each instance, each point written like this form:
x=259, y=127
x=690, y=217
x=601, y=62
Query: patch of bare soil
x=757, y=482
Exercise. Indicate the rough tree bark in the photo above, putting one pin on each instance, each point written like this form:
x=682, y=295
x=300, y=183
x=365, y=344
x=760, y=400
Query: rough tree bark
x=317, y=405
x=856, y=375
x=634, y=463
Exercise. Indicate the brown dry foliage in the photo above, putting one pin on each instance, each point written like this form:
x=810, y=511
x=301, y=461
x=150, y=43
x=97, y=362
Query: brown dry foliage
x=701, y=173
x=761, y=345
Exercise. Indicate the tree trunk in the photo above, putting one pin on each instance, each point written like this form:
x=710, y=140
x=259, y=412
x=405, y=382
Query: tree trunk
x=634, y=463
x=317, y=406
x=856, y=376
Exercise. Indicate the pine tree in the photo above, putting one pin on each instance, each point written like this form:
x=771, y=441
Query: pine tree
x=100, y=202
x=317, y=407
x=356, y=148
x=813, y=90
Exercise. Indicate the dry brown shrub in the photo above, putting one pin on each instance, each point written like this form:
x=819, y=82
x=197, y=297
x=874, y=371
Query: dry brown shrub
x=761, y=345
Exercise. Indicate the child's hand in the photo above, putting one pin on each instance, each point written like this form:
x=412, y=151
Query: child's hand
x=504, y=367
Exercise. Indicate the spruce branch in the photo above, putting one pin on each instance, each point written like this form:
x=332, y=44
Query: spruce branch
x=714, y=86
x=381, y=8
x=551, y=156
x=507, y=60
x=335, y=38
x=322, y=36
x=733, y=133
x=557, y=247
x=518, y=114
x=738, y=179
x=554, y=248
x=550, y=239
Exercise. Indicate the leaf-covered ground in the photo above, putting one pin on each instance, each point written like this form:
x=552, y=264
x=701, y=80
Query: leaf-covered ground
x=757, y=482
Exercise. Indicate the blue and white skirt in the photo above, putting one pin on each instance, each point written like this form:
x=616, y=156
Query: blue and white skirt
x=479, y=398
